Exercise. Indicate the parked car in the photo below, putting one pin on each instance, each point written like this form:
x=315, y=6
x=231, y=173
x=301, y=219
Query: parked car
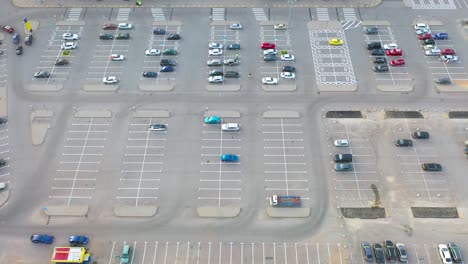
x=232, y=127
x=288, y=75
x=69, y=36
x=390, y=251
x=159, y=31
x=109, y=26
x=42, y=238
x=420, y=134
x=150, y=74
x=158, y=127
x=123, y=36
x=441, y=35
x=78, y=240
x=125, y=255
x=117, y=57
x=404, y=143
x=377, y=52
x=42, y=74
x=447, y=52
x=379, y=254
x=166, y=69
x=110, y=80
x=233, y=47
x=28, y=40
x=341, y=143
x=401, y=252
x=152, y=52
x=3, y=163
x=215, y=52
x=432, y=52
x=231, y=62
x=235, y=26
x=270, y=52
x=60, y=62
x=217, y=72
x=372, y=31
x=212, y=120
x=343, y=158
x=398, y=62
x=428, y=42
x=336, y=42
x=15, y=38
x=216, y=79
x=267, y=45
x=444, y=254
x=3, y=120
x=8, y=29
x=421, y=26
x=287, y=57
x=374, y=45
x=167, y=62
x=19, y=50
x=289, y=69
x=379, y=60
x=455, y=252
x=269, y=80
x=270, y=57
x=367, y=251
x=125, y=26
x=395, y=52
x=229, y=158
x=214, y=62
x=443, y=80
x=173, y=36
x=232, y=74
x=172, y=52
x=381, y=68
x=431, y=167
x=343, y=167
x=423, y=31
x=68, y=45
x=425, y=36
x=449, y=58
x=214, y=45
x=106, y=36
x=390, y=46
x=280, y=27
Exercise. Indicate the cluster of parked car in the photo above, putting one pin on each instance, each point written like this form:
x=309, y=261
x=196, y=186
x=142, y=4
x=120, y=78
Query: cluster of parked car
x=16, y=39
x=409, y=143
x=379, y=50
x=76, y=240
x=3, y=162
x=343, y=161
x=225, y=127
x=385, y=252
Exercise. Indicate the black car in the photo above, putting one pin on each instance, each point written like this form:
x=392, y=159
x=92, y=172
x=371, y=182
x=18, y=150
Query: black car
x=19, y=50
x=431, y=167
x=374, y=45
x=289, y=69
x=390, y=251
x=372, y=31
x=123, y=36
x=377, y=52
x=367, y=251
x=466, y=151
x=3, y=120
x=455, y=252
x=381, y=68
x=379, y=253
x=343, y=167
x=28, y=40
x=150, y=74
x=428, y=42
x=443, y=80
x=42, y=74
x=106, y=36
x=216, y=72
x=379, y=60
x=159, y=31
x=403, y=143
x=173, y=36
x=167, y=62
x=61, y=62
x=341, y=158
x=3, y=163
x=231, y=74
x=420, y=135
x=233, y=47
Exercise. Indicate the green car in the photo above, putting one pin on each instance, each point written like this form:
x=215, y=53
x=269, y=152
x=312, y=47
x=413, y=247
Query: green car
x=106, y=36
x=170, y=52
x=123, y=36
x=231, y=74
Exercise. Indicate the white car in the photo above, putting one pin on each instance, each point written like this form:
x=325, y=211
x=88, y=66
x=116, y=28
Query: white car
x=444, y=254
x=390, y=46
x=422, y=31
x=110, y=80
x=215, y=46
x=69, y=45
x=230, y=127
x=341, y=143
x=215, y=52
x=216, y=79
x=432, y=52
x=235, y=26
x=152, y=52
x=421, y=26
x=449, y=58
x=270, y=52
x=117, y=57
x=125, y=26
x=288, y=75
x=429, y=47
x=2, y=185
x=280, y=26
x=287, y=57
x=269, y=80
x=69, y=36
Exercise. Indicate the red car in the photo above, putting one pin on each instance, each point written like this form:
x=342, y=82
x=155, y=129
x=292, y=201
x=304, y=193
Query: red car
x=8, y=29
x=425, y=36
x=266, y=45
x=397, y=62
x=448, y=52
x=394, y=52
x=109, y=26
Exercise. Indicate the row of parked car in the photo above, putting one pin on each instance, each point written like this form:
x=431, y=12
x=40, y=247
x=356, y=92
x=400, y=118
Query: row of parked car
x=225, y=127
x=379, y=50
x=76, y=240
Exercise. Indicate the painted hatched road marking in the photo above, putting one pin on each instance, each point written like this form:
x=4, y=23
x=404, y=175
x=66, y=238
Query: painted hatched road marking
x=218, y=14
x=158, y=14
x=322, y=14
x=74, y=14
x=259, y=14
x=123, y=14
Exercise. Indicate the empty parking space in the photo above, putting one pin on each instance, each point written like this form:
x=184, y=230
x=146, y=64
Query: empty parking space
x=4, y=153
x=230, y=252
x=353, y=188
x=54, y=52
x=80, y=160
x=285, y=161
x=332, y=64
x=419, y=185
x=396, y=75
x=142, y=164
x=282, y=41
x=220, y=182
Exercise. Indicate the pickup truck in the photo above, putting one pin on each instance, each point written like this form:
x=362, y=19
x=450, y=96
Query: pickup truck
x=285, y=201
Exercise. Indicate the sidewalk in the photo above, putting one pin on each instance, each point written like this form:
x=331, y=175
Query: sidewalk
x=200, y=4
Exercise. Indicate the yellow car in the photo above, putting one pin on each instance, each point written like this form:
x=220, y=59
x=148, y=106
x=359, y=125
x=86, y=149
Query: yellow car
x=335, y=42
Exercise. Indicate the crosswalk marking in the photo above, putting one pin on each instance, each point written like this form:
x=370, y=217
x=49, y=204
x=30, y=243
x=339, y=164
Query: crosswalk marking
x=259, y=14
x=349, y=14
x=123, y=14
x=438, y=4
x=322, y=14
x=74, y=14
x=158, y=14
x=218, y=14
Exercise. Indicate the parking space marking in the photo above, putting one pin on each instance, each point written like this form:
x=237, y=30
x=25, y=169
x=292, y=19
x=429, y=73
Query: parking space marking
x=332, y=64
x=74, y=180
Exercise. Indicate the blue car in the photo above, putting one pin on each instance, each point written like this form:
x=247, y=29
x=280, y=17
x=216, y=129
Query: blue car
x=159, y=31
x=229, y=158
x=440, y=36
x=42, y=238
x=233, y=47
x=167, y=69
x=213, y=120
x=78, y=240
x=16, y=38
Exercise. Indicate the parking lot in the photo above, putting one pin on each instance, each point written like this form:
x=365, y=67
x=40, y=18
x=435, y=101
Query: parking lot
x=142, y=164
x=284, y=158
x=220, y=182
x=80, y=160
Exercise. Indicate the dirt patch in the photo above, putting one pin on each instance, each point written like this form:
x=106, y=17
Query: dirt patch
x=343, y=114
x=435, y=212
x=403, y=114
x=458, y=114
x=363, y=213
